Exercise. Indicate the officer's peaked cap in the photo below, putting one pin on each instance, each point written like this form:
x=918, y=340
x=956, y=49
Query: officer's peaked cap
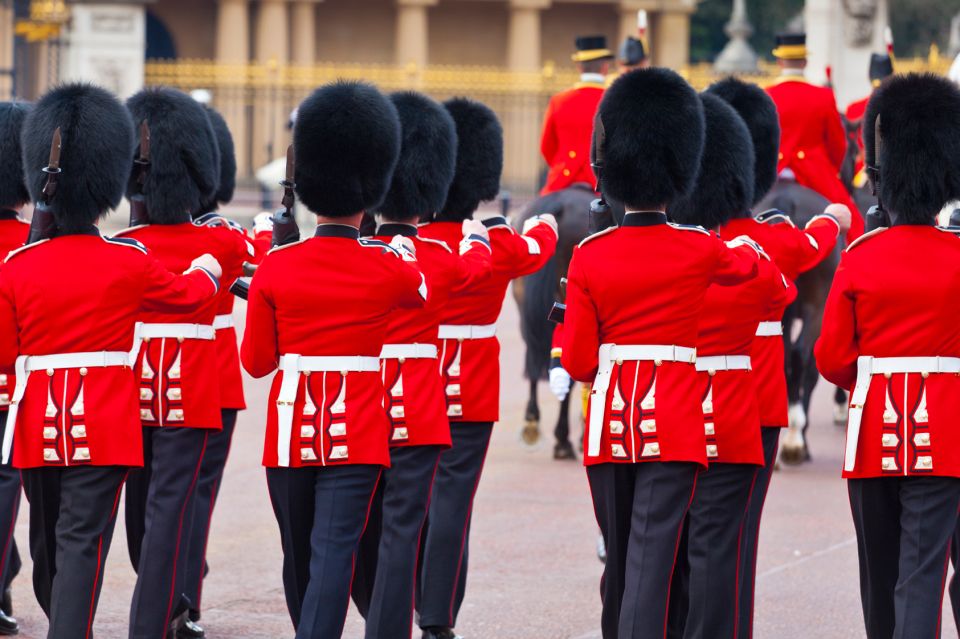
x=724, y=187
x=428, y=155
x=13, y=190
x=184, y=171
x=479, y=158
x=347, y=141
x=919, y=144
x=228, y=160
x=653, y=137
x=759, y=112
x=96, y=135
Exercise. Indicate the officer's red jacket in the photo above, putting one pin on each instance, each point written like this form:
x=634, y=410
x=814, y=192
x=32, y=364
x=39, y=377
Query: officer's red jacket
x=471, y=368
x=78, y=294
x=794, y=251
x=728, y=326
x=416, y=402
x=13, y=233
x=812, y=141
x=180, y=380
x=567, y=135
x=897, y=294
x=331, y=294
x=228, y=352
x=855, y=112
x=645, y=283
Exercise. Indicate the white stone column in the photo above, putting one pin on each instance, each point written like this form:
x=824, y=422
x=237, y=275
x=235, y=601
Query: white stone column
x=304, y=27
x=523, y=35
x=233, y=48
x=104, y=45
x=412, y=43
x=272, y=41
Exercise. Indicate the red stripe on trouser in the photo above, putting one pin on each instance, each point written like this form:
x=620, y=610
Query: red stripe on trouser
x=176, y=551
x=676, y=549
x=100, y=558
x=463, y=537
x=353, y=560
x=943, y=581
x=736, y=581
x=206, y=540
x=13, y=523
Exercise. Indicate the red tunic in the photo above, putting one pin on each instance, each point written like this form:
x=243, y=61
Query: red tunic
x=180, y=380
x=728, y=326
x=471, y=367
x=794, y=252
x=77, y=294
x=304, y=301
x=897, y=294
x=13, y=233
x=615, y=298
x=416, y=404
x=812, y=141
x=855, y=112
x=567, y=135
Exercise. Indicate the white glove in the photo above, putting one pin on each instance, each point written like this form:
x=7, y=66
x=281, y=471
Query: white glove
x=560, y=382
x=475, y=227
x=209, y=263
x=405, y=247
x=544, y=218
x=841, y=213
x=263, y=222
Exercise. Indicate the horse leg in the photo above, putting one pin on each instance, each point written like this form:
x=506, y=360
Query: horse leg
x=841, y=407
x=531, y=428
x=810, y=378
x=563, y=449
x=792, y=447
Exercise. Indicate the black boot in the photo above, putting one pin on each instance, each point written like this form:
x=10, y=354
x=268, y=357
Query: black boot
x=8, y=625
x=436, y=632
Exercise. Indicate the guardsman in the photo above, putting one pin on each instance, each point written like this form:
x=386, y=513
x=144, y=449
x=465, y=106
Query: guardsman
x=470, y=357
x=726, y=384
x=632, y=55
x=13, y=234
x=416, y=405
x=179, y=388
x=793, y=251
x=889, y=336
x=67, y=315
x=231, y=385
x=324, y=325
x=881, y=67
x=565, y=141
x=631, y=330
x=812, y=139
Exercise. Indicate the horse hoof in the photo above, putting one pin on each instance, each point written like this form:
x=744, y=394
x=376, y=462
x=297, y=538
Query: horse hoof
x=792, y=456
x=530, y=433
x=563, y=450
x=840, y=414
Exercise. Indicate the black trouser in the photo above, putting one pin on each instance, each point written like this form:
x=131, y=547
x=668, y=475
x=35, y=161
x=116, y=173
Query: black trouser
x=204, y=500
x=321, y=513
x=955, y=580
x=749, y=542
x=158, y=507
x=387, y=565
x=904, y=528
x=10, y=484
x=641, y=509
x=446, y=541
x=72, y=514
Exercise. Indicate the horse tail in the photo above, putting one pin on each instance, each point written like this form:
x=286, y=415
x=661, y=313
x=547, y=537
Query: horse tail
x=539, y=293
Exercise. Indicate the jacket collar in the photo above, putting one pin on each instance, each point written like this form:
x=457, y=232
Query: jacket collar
x=337, y=230
x=644, y=218
x=397, y=228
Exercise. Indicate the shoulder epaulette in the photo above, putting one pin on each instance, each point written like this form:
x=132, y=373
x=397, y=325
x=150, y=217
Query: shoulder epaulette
x=863, y=238
x=496, y=222
x=128, y=229
x=378, y=244
x=127, y=241
x=688, y=227
x=590, y=238
x=286, y=246
x=209, y=219
x=22, y=220
x=22, y=249
x=774, y=216
x=438, y=242
x=952, y=230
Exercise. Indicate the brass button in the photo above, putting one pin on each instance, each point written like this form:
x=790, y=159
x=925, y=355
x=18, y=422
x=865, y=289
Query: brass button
x=83, y=371
x=658, y=362
x=801, y=154
x=780, y=156
x=401, y=360
x=50, y=372
x=566, y=172
x=180, y=339
x=572, y=154
x=925, y=374
x=712, y=373
x=888, y=375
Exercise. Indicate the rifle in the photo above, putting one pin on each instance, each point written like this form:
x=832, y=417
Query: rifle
x=138, y=203
x=559, y=309
x=285, y=229
x=43, y=226
x=877, y=217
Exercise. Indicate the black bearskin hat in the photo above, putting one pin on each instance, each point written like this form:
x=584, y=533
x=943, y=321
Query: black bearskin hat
x=184, y=159
x=653, y=138
x=347, y=142
x=479, y=158
x=759, y=112
x=13, y=190
x=919, y=144
x=428, y=156
x=96, y=135
x=228, y=161
x=724, y=187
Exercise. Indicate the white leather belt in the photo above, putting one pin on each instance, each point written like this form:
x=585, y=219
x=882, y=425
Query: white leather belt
x=615, y=353
x=27, y=364
x=292, y=365
x=769, y=329
x=177, y=331
x=449, y=331
x=408, y=351
x=714, y=363
x=867, y=367
x=221, y=322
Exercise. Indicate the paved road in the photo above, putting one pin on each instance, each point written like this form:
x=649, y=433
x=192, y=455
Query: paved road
x=533, y=572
